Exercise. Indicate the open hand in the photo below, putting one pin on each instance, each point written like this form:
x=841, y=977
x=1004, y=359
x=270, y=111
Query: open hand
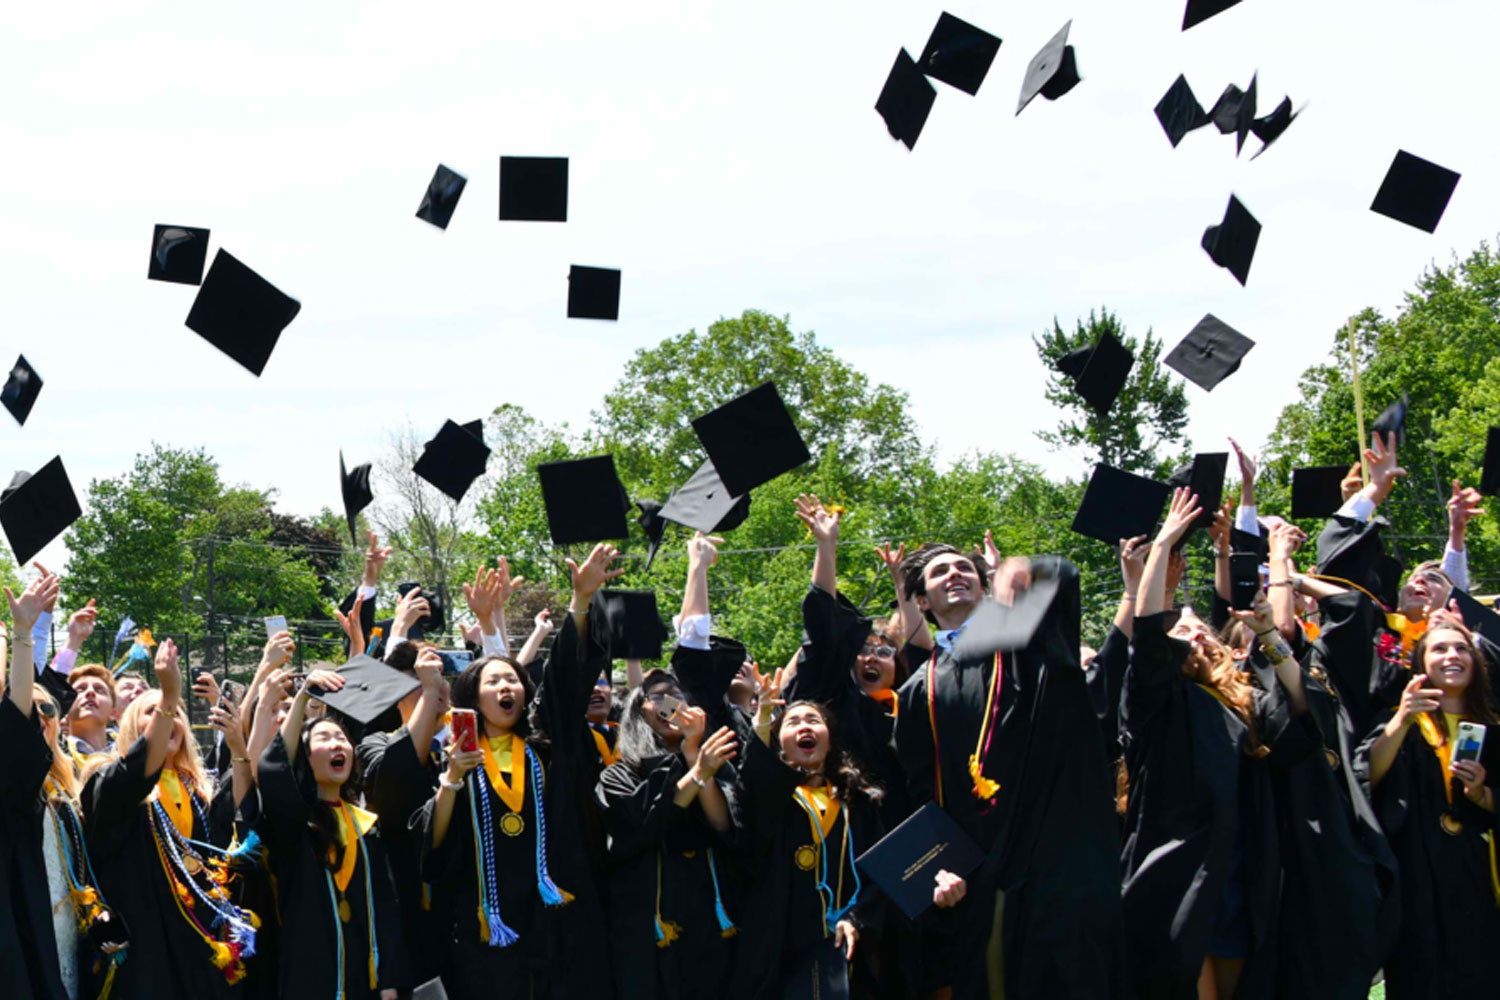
x=1180, y=517
x=593, y=574
x=1383, y=468
x=1464, y=504
x=26, y=609
x=717, y=750
x=703, y=550
x=375, y=557
x=823, y=525
x=1417, y=699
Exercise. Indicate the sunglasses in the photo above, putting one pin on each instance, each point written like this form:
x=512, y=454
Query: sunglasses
x=47, y=708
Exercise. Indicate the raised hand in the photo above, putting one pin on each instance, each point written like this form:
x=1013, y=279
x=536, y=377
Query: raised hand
x=543, y=622
x=411, y=608
x=279, y=647
x=1416, y=700
x=168, y=676
x=703, y=550
x=26, y=609
x=51, y=602
x=1260, y=617
x=325, y=681
x=206, y=687
x=429, y=668
x=1133, y=561
x=81, y=625
x=1286, y=540
x=1383, y=468
x=1180, y=517
x=1010, y=578
x=1247, y=473
x=690, y=722
x=505, y=584
x=481, y=595
x=823, y=525
x=375, y=558
x=225, y=717
x=892, y=561
x=592, y=574
x=1352, y=483
x=1219, y=531
x=1463, y=505
x=718, y=749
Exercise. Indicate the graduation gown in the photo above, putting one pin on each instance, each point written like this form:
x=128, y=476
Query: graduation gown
x=1199, y=806
x=312, y=935
x=397, y=782
x=1450, y=916
x=1105, y=677
x=167, y=959
x=1051, y=836
x=546, y=953
x=659, y=864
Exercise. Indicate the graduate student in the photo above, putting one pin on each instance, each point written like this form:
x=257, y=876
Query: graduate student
x=1439, y=813
x=505, y=833
x=157, y=833
x=1008, y=744
x=340, y=925
x=670, y=811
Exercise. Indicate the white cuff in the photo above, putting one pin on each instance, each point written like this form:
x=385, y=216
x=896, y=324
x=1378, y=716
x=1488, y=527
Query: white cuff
x=365, y=592
x=1456, y=565
x=393, y=642
x=1359, y=507
x=494, y=645
x=64, y=660
x=1245, y=520
x=693, y=632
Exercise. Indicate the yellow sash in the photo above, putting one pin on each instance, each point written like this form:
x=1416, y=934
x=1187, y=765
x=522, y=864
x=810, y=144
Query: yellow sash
x=606, y=753
x=823, y=805
x=354, y=822
x=500, y=757
x=177, y=799
x=1440, y=746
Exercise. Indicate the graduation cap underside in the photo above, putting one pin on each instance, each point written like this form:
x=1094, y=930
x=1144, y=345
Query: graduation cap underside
x=370, y=689
x=635, y=627
x=241, y=313
x=593, y=293
x=906, y=100
x=585, y=500
x=1199, y=11
x=1204, y=475
x=959, y=54
x=36, y=508
x=1210, y=353
x=1392, y=420
x=751, y=439
x=1489, y=478
x=442, y=196
x=705, y=504
x=1052, y=72
x=1234, y=112
x=1317, y=490
x=1119, y=504
x=1000, y=627
x=1231, y=244
x=21, y=390
x=1478, y=617
x=1099, y=372
x=1415, y=191
x=534, y=188
x=453, y=459
x=177, y=254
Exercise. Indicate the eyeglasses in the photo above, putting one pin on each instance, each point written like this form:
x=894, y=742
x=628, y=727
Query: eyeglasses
x=657, y=697
x=881, y=650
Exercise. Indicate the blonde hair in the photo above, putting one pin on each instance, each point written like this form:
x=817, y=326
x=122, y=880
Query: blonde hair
x=61, y=770
x=185, y=762
x=1216, y=668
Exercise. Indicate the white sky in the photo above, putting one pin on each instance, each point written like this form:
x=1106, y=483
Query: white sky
x=724, y=156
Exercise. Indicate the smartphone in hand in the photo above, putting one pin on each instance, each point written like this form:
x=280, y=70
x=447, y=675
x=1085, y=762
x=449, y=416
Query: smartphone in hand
x=1244, y=580
x=465, y=730
x=668, y=707
x=1470, y=743
x=274, y=624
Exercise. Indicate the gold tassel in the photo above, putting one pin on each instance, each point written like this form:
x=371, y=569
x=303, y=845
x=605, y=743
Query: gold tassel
x=374, y=982
x=223, y=957
x=729, y=932
x=484, y=926
x=109, y=979
x=984, y=788
x=670, y=932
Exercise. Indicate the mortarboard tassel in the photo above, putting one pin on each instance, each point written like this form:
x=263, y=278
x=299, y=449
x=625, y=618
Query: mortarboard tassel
x=726, y=926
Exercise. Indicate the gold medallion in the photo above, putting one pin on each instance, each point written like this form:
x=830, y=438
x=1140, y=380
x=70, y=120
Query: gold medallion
x=192, y=864
x=1333, y=759
x=512, y=825
x=1450, y=824
x=346, y=912
x=805, y=857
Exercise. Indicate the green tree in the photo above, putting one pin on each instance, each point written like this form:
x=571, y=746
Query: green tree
x=1143, y=430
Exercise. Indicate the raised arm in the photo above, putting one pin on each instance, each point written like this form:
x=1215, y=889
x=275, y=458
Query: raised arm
x=1277, y=651
x=275, y=691
x=908, y=615
x=24, y=612
x=291, y=726
x=1417, y=699
x=702, y=553
x=1286, y=539
x=825, y=531
x=1152, y=597
x=423, y=725
x=1464, y=504
x=1132, y=568
x=225, y=718
x=159, y=731
x=541, y=627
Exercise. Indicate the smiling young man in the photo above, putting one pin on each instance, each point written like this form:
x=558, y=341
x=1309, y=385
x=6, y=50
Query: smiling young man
x=1007, y=744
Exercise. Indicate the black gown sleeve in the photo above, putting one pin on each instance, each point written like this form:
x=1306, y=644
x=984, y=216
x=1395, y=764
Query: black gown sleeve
x=639, y=813
x=913, y=738
x=27, y=760
x=768, y=785
x=284, y=808
x=1155, y=668
x=1105, y=678
x=113, y=795
x=834, y=632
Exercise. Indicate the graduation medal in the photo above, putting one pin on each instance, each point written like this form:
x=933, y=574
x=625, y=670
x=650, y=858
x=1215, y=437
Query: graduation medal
x=1450, y=824
x=512, y=824
x=805, y=857
x=510, y=787
x=1333, y=759
x=346, y=912
x=191, y=863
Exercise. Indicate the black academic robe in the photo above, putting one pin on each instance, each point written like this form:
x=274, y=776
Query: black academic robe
x=1450, y=916
x=312, y=934
x=1196, y=798
x=28, y=949
x=545, y=958
x=167, y=959
x=1051, y=836
x=1105, y=677
x=398, y=780
x=659, y=864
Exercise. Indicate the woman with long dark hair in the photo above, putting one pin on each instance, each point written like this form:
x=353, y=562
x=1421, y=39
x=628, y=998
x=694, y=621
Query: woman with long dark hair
x=670, y=811
x=1439, y=813
x=340, y=925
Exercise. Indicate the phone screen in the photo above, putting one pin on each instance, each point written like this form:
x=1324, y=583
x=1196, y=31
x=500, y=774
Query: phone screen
x=1244, y=580
x=668, y=706
x=455, y=661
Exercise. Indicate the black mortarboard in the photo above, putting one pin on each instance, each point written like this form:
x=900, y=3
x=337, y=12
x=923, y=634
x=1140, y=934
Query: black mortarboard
x=240, y=313
x=57, y=686
x=1119, y=504
x=1210, y=353
x=1415, y=192
x=635, y=628
x=442, y=197
x=355, y=485
x=905, y=100
x=453, y=459
x=751, y=439
x=1392, y=419
x=534, y=188
x=1075, y=361
x=1231, y=244
x=654, y=525
x=21, y=389
x=959, y=54
x=1052, y=72
x=36, y=508
x=177, y=254
x=1478, y=617
x=1179, y=111
x=1316, y=491
x=1234, y=111
x=1269, y=128
x=370, y=689
x=1104, y=373
x=584, y=499
x=593, y=293
x=705, y=504
x=1199, y=11
x=999, y=627
x=1489, y=478
x=1204, y=475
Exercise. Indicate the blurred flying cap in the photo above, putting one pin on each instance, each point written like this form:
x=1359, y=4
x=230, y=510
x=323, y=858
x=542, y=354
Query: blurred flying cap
x=905, y=100
x=1478, y=617
x=593, y=293
x=1210, y=353
x=177, y=254
x=1234, y=111
x=1231, y=244
x=1104, y=372
x=1204, y=475
x=1053, y=71
x=240, y=313
x=653, y=524
x=1119, y=504
x=1415, y=192
x=370, y=689
x=453, y=459
x=959, y=54
x=1316, y=491
x=1179, y=111
x=36, y=508
x=355, y=485
x=441, y=197
x=1269, y=128
x=1489, y=479
x=752, y=439
x=1392, y=419
x=1199, y=11
x=534, y=188
x=584, y=499
x=635, y=628
x=705, y=504
x=21, y=389
x=996, y=627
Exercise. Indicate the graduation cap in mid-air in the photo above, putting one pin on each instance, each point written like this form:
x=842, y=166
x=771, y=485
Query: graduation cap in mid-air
x=22, y=387
x=751, y=439
x=1231, y=244
x=1119, y=504
x=958, y=53
x=653, y=524
x=585, y=500
x=593, y=293
x=1179, y=112
x=1234, y=111
x=1204, y=475
x=177, y=254
x=906, y=100
x=354, y=484
x=705, y=504
x=1210, y=353
x=996, y=627
x=1099, y=372
x=1270, y=127
x=1489, y=478
x=1199, y=11
x=1317, y=491
x=453, y=459
x=1415, y=191
x=1052, y=72
x=36, y=508
x=241, y=313
x=534, y=188
x=634, y=623
x=1392, y=420
x=442, y=196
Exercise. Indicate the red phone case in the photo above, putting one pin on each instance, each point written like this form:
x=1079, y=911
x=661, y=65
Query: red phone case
x=465, y=730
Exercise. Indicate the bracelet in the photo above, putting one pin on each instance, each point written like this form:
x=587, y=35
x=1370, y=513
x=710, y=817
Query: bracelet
x=452, y=786
x=1127, y=599
x=697, y=781
x=1280, y=583
x=239, y=760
